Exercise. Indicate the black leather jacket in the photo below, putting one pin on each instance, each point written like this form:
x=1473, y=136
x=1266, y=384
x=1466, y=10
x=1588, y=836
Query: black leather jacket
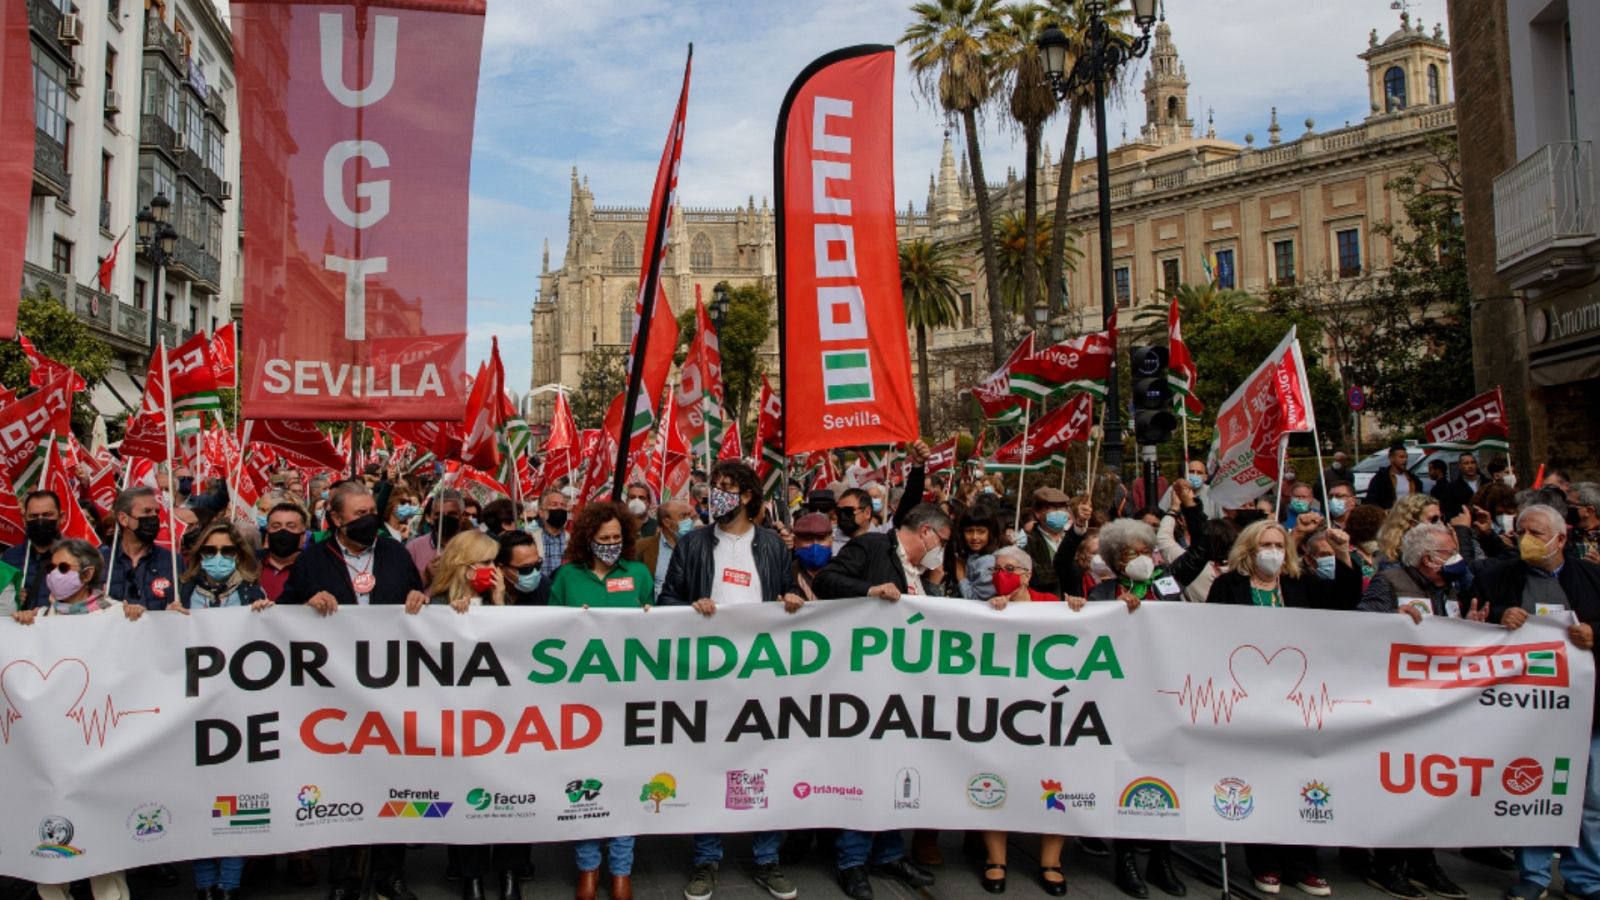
x=689, y=573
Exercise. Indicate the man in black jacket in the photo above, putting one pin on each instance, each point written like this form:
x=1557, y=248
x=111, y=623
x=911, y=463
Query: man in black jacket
x=1394, y=482
x=735, y=561
x=1542, y=575
x=884, y=566
x=358, y=567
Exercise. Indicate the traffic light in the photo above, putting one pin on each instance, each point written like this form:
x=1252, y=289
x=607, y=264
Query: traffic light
x=1153, y=420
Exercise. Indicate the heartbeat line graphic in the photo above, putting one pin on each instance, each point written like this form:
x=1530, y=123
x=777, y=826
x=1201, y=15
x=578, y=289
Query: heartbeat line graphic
x=96, y=723
x=1246, y=663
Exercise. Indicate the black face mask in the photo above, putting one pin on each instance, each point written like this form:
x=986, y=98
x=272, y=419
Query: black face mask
x=186, y=486
x=148, y=529
x=449, y=527
x=848, y=525
x=556, y=518
x=43, y=531
x=283, y=543
x=362, y=530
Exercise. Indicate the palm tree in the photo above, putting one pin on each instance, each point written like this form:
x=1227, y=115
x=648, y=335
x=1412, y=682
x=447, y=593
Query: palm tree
x=1011, y=243
x=1030, y=104
x=929, y=282
x=1196, y=302
x=951, y=59
x=1070, y=17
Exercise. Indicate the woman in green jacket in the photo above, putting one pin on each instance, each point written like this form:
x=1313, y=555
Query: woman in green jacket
x=601, y=570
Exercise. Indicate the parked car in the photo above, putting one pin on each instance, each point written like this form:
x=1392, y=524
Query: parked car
x=1416, y=463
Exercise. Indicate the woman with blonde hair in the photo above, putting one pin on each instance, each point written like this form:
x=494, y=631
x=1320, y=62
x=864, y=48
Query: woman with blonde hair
x=1407, y=513
x=465, y=574
x=223, y=571
x=1265, y=570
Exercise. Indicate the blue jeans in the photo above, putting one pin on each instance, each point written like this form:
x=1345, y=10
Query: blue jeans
x=621, y=855
x=764, y=844
x=856, y=846
x=223, y=873
x=1580, y=866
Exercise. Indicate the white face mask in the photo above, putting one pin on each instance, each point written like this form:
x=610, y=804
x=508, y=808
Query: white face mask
x=637, y=507
x=933, y=559
x=1507, y=523
x=1099, y=569
x=1140, y=568
x=1509, y=479
x=1269, y=561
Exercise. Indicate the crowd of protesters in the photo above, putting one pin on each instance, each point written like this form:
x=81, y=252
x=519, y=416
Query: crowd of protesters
x=1473, y=546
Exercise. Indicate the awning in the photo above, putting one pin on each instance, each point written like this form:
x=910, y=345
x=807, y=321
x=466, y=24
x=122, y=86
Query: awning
x=116, y=394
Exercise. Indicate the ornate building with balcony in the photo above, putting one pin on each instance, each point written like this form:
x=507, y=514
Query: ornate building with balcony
x=1528, y=139
x=131, y=100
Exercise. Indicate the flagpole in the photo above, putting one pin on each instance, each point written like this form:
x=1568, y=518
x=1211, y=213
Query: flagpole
x=1322, y=475
x=238, y=474
x=26, y=598
x=172, y=481
x=116, y=526
x=1183, y=412
x=1277, y=501
x=1022, y=473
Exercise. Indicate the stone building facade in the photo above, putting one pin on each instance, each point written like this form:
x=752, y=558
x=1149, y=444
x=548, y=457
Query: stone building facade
x=1294, y=208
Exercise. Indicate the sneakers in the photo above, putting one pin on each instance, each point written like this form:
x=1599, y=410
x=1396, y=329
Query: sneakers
x=703, y=883
x=1432, y=879
x=1268, y=883
x=1315, y=885
x=1394, y=883
x=1527, y=890
x=771, y=878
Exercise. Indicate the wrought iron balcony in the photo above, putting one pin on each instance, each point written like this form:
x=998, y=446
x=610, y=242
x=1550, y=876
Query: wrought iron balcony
x=1544, y=208
x=50, y=166
x=161, y=39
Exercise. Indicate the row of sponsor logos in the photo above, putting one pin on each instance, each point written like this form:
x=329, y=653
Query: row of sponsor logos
x=1232, y=798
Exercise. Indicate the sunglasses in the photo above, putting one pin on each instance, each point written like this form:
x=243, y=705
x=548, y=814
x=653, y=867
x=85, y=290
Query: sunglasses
x=64, y=568
x=230, y=551
x=526, y=570
x=847, y=510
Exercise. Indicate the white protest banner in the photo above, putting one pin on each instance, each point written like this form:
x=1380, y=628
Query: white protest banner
x=237, y=733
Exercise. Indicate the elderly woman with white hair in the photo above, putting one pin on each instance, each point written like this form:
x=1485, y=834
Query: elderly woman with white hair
x=1013, y=570
x=1127, y=546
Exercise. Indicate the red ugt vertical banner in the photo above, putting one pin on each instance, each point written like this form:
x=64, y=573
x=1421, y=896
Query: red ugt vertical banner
x=846, y=359
x=16, y=154
x=358, y=120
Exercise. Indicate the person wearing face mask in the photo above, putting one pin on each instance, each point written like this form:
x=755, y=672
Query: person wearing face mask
x=445, y=517
x=1052, y=521
x=465, y=574
x=520, y=567
x=552, y=532
x=282, y=540
x=1210, y=539
x=735, y=561
x=72, y=585
x=1586, y=533
x=638, y=502
x=141, y=572
x=1127, y=547
x=1542, y=574
x=601, y=572
x=399, y=514
x=813, y=549
x=676, y=519
x=1432, y=569
x=221, y=573
x=357, y=566
x=1338, y=471
x=1302, y=500
x=852, y=516
x=41, y=520
x=1341, y=501
x=1266, y=571
x=884, y=566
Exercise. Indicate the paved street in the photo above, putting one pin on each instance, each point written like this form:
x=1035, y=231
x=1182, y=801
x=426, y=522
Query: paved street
x=662, y=868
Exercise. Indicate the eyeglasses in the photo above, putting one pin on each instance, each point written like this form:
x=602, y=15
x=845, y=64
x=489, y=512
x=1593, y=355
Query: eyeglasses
x=230, y=551
x=1015, y=570
x=64, y=568
x=1432, y=520
x=526, y=570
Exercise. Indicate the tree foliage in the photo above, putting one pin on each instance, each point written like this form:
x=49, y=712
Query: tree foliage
x=929, y=284
x=745, y=330
x=605, y=375
x=58, y=333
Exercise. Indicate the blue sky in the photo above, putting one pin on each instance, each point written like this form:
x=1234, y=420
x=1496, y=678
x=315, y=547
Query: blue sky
x=591, y=83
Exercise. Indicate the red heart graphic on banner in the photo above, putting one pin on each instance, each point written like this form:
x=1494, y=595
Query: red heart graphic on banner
x=1256, y=673
x=23, y=683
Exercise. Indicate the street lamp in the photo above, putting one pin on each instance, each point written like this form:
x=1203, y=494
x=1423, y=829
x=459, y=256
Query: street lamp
x=719, y=306
x=1103, y=53
x=158, y=239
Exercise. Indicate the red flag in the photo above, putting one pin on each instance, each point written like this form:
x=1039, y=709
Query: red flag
x=699, y=394
x=109, y=264
x=1048, y=437
x=1080, y=364
x=12, y=529
x=296, y=441
x=1181, y=373
x=563, y=430
x=1475, y=425
x=942, y=457
x=28, y=423
x=74, y=524
x=486, y=414
x=45, y=369
x=16, y=154
x=994, y=392
x=103, y=487
x=846, y=358
x=146, y=435
x=356, y=306
x=1252, y=423
x=225, y=355
x=732, y=446
x=768, y=451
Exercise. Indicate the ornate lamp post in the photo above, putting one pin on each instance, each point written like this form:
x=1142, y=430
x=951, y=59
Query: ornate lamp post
x=157, y=239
